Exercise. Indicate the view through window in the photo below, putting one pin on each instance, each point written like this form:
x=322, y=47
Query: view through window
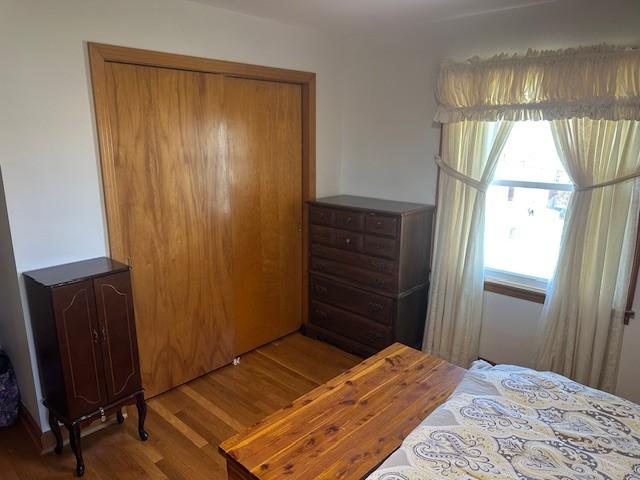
x=526, y=207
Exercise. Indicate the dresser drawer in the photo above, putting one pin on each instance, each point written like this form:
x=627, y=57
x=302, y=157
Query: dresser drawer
x=382, y=225
x=324, y=235
x=365, y=278
x=380, y=246
x=349, y=220
x=370, y=305
x=350, y=325
x=353, y=242
x=375, y=264
x=340, y=341
x=322, y=216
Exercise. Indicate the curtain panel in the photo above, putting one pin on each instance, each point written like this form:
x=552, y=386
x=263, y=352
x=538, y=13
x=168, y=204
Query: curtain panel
x=470, y=152
x=601, y=82
x=583, y=316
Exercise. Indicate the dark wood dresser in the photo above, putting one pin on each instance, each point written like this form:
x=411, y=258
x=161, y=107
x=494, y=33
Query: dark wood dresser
x=369, y=272
x=85, y=335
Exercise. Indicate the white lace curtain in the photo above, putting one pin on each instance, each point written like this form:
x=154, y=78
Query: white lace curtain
x=599, y=84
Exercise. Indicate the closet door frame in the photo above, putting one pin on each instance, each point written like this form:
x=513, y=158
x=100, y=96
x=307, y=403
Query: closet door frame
x=99, y=54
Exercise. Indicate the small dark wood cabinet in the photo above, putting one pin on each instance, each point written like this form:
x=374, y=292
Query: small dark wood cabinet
x=369, y=272
x=85, y=335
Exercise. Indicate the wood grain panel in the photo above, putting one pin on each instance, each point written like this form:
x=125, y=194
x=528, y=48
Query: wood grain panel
x=349, y=425
x=264, y=128
x=169, y=198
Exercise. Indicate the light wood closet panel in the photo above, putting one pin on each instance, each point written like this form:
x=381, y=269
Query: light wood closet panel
x=204, y=199
x=265, y=148
x=173, y=217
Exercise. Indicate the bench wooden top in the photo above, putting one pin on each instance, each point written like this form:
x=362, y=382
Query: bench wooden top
x=345, y=428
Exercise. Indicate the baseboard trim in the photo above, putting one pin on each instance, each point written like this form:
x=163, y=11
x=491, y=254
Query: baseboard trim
x=33, y=429
x=45, y=442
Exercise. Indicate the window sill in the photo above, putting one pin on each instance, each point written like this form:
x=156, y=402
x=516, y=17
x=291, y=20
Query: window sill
x=515, y=291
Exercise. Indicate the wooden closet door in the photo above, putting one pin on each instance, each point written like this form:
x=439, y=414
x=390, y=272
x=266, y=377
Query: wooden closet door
x=172, y=220
x=264, y=126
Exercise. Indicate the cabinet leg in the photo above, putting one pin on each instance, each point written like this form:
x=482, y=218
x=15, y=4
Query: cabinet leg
x=76, y=446
x=119, y=416
x=55, y=428
x=142, y=415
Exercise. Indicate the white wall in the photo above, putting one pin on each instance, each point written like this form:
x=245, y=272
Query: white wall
x=47, y=138
x=509, y=329
x=389, y=140
x=12, y=325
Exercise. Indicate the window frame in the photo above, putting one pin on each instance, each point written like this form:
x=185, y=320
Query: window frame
x=565, y=187
x=520, y=281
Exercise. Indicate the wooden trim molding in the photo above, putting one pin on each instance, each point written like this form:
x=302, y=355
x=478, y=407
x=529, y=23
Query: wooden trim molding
x=514, y=291
x=633, y=281
x=99, y=54
x=40, y=440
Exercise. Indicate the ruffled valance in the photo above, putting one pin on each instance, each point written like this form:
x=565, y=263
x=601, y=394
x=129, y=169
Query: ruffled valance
x=601, y=82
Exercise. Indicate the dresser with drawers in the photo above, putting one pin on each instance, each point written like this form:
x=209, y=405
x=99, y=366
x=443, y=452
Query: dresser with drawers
x=369, y=272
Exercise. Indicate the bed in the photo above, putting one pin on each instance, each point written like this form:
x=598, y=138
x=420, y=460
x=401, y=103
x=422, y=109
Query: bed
x=508, y=422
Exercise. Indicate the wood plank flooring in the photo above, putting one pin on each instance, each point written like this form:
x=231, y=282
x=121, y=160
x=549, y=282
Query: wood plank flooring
x=186, y=424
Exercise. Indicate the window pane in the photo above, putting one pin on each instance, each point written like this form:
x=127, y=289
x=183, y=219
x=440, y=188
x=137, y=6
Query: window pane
x=523, y=229
x=530, y=155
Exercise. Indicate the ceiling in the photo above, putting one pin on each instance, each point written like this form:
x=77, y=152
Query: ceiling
x=350, y=16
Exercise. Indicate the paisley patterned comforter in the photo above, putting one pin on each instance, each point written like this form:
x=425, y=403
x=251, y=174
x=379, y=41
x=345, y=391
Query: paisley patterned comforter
x=507, y=422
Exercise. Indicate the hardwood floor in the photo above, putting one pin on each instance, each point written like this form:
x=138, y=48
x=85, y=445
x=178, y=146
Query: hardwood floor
x=186, y=424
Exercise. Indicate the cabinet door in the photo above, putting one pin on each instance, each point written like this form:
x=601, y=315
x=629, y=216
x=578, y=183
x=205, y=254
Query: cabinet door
x=118, y=333
x=80, y=347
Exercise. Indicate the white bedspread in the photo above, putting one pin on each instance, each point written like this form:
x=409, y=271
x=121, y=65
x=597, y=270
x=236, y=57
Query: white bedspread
x=509, y=422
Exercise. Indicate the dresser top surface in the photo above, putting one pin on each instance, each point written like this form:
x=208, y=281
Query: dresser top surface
x=76, y=271
x=371, y=204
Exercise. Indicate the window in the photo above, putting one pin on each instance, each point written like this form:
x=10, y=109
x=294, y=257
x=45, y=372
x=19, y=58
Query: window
x=526, y=206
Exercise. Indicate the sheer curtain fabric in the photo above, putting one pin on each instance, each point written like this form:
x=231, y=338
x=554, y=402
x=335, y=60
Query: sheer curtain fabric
x=584, y=312
x=470, y=152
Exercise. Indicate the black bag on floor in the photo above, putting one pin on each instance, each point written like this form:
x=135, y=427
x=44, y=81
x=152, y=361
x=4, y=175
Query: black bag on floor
x=9, y=395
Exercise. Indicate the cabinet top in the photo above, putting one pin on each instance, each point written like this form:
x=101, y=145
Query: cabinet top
x=372, y=204
x=76, y=271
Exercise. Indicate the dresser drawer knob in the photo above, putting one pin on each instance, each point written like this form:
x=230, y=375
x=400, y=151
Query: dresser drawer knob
x=374, y=335
x=377, y=264
x=349, y=219
x=319, y=289
x=347, y=241
x=379, y=223
x=375, y=307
